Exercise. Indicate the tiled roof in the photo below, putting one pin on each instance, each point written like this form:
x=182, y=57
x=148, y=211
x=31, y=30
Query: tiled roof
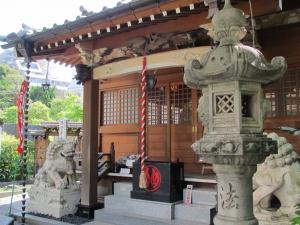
x=89, y=17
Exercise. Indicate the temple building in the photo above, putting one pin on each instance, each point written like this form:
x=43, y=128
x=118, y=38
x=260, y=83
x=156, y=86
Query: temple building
x=107, y=48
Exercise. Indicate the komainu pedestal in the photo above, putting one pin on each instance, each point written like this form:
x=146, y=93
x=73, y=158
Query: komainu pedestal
x=55, y=192
x=53, y=202
x=232, y=109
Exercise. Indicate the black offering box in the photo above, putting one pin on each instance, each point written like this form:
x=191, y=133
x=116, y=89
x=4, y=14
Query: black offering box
x=165, y=181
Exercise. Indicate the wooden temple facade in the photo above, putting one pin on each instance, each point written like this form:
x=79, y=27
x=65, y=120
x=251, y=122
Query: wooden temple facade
x=107, y=49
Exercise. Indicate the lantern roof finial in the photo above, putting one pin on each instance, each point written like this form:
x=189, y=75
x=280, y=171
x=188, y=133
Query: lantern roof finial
x=229, y=25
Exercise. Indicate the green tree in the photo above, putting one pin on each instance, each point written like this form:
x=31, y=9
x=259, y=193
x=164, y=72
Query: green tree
x=10, y=81
x=68, y=108
x=10, y=114
x=38, y=112
x=42, y=95
x=296, y=219
x=9, y=159
x=1, y=117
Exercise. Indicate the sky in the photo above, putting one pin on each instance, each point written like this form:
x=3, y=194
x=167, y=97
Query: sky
x=40, y=13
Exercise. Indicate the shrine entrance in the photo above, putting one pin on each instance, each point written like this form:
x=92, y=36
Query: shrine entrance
x=172, y=121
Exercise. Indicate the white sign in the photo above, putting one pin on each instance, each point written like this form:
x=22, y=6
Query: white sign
x=129, y=163
x=62, y=129
x=188, y=194
x=125, y=171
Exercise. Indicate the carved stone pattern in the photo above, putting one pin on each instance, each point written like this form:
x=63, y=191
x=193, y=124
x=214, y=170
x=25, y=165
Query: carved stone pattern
x=228, y=197
x=251, y=146
x=225, y=146
x=203, y=109
x=225, y=103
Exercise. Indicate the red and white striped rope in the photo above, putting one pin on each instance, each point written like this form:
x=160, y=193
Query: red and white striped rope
x=143, y=115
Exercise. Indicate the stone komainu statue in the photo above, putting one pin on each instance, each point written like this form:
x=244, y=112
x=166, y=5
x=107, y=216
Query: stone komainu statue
x=55, y=192
x=277, y=178
x=59, y=168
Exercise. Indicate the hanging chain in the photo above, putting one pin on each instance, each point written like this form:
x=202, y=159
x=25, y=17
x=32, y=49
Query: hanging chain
x=25, y=145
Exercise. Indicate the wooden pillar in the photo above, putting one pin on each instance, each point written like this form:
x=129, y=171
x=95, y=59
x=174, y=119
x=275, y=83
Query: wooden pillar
x=89, y=147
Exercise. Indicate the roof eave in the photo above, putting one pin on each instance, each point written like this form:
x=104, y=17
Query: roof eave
x=92, y=18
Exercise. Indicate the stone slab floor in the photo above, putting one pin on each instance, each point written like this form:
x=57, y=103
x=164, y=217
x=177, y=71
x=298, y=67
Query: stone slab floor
x=112, y=217
x=102, y=217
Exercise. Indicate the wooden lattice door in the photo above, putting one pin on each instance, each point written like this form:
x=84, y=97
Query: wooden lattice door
x=172, y=124
x=157, y=123
x=184, y=126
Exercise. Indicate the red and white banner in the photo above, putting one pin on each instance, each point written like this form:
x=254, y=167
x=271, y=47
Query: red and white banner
x=20, y=106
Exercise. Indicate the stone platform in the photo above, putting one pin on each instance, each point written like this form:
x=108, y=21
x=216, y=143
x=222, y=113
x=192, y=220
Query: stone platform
x=53, y=202
x=203, y=200
x=113, y=217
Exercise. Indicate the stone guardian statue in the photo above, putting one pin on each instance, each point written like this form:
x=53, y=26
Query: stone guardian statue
x=277, y=178
x=55, y=191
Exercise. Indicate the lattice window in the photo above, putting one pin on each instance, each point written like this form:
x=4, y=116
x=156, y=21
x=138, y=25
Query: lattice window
x=157, y=106
x=285, y=95
x=224, y=103
x=181, y=104
x=120, y=106
x=271, y=97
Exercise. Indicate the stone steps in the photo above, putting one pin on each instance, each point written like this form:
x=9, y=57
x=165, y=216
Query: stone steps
x=194, y=212
x=123, y=204
x=206, y=196
x=122, y=189
x=114, y=217
x=203, y=200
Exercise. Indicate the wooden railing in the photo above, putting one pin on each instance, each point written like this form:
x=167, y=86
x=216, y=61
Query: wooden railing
x=108, y=165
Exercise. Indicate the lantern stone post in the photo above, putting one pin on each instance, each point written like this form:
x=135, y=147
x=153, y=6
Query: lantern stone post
x=232, y=109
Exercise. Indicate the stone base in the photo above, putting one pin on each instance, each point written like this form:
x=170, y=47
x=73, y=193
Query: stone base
x=126, y=205
x=221, y=220
x=264, y=219
x=88, y=211
x=53, y=202
x=194, y=212
x=286, y=222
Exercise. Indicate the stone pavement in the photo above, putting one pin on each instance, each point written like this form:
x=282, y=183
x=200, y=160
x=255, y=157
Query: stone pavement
x=5, y=204
x=112, y=217
x=16, y=206
x=102, y=217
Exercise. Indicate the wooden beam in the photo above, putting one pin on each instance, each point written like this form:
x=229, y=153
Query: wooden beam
x=278, y=19
x=176, y=58
x=73, y=60
x=90, y=144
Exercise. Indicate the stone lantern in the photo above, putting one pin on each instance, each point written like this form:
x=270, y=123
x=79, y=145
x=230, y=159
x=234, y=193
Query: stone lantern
x=232, y=109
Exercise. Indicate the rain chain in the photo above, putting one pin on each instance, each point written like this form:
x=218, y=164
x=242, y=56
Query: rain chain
x=23, y=158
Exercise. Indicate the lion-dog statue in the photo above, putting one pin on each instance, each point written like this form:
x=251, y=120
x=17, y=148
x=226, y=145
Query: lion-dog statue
x=59, y=168
x=277, y=178
x=55, y=191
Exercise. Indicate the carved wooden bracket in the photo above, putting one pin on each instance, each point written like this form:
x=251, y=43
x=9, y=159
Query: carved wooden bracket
x=83, y=73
